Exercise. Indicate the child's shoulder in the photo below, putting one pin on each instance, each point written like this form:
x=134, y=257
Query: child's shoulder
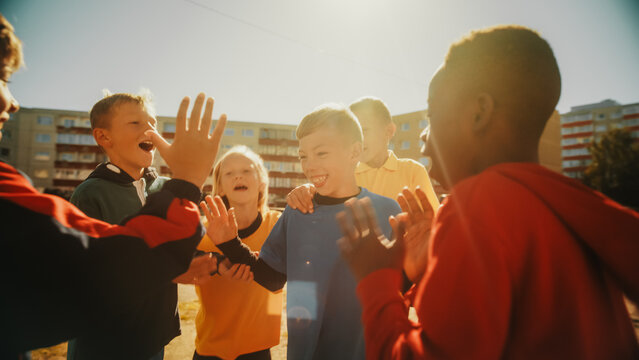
x=379, y=201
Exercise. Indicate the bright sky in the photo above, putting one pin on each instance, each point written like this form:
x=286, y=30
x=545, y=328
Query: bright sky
x=274, y=61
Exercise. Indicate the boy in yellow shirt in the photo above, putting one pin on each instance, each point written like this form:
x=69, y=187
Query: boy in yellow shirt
x=379, y=170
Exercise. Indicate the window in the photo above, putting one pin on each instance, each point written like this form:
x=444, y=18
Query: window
x=41, y=174
x=6, y=134
x=66, y=157
x=425, y=161
x=87, y=140
x=68, y=123
x=391, y=146
x=405, y=145
x=247, y=132
x=169, y=128
x=5, y=152
x=45, y=120
x=67, y=138
x=601, y=116
x=87, y=157
x=423, y=124
x=405, y=126
x=43, y=138
x=42, y=156
x=600, y=128
x=229, y=132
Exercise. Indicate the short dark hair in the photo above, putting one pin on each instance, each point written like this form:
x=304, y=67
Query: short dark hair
x=516, y=66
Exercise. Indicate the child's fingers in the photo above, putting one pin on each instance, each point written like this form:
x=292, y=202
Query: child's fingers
x=221, y=207
x=359, y=218
x=232, y=220
x=194, y=120
x=206, y=211
x=205, y=125
x=415, y=210
x=371, y=217
x=158, y=141
x=218, y=131
x=424, y=202
x=348, y=230
x=215, y=213
x=180, y=120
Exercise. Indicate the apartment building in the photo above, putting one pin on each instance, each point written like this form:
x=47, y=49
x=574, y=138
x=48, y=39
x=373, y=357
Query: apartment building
x=585, y=124
x=57, y=150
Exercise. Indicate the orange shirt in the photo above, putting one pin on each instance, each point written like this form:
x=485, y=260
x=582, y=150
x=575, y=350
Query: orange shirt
x=237, y=317
x=389, y=179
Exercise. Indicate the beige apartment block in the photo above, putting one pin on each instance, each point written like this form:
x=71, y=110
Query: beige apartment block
x=56, y=149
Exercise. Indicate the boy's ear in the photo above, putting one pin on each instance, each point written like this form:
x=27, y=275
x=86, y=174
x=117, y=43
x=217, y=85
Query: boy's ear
x=102, y=137
x=483, y=112
x=390, y=129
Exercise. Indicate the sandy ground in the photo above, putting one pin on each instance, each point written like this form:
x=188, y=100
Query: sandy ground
x=181, y=348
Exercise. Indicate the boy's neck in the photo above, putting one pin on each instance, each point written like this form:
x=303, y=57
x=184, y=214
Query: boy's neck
x=245, y=214
x=133, y=171
x=378, y=160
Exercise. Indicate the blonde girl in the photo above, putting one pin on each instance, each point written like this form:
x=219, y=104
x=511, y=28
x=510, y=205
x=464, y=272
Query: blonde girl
x=239, y=319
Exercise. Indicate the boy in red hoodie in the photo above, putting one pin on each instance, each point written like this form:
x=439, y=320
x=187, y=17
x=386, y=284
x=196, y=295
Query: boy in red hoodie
x=522, y=262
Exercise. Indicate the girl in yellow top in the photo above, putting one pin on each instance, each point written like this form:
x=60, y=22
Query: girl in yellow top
x=239, y=319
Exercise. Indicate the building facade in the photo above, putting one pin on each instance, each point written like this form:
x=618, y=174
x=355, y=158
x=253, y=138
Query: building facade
x=57, y=150
x=585, y=124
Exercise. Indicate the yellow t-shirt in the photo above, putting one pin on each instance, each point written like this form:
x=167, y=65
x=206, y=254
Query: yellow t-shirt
x=237, y=317
x=389, y=179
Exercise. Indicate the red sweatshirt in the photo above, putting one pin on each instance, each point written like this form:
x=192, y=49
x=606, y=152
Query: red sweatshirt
x=64, y=274
x=523, y=263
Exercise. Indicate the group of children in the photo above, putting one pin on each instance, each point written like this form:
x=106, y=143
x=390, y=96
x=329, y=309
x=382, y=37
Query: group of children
x=501, y=273
x=239, y=318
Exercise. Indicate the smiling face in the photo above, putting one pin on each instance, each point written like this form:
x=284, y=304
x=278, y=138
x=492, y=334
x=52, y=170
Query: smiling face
x=239, y=180
x=329, y=162
x=125, y=141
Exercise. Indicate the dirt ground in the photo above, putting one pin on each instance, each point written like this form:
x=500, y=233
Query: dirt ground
x=181, y=348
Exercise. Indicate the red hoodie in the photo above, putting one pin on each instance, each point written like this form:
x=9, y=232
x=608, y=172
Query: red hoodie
x=523, y=263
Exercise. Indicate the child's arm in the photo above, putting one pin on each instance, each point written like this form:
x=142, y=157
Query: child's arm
x=222, y=226
x=301, y=198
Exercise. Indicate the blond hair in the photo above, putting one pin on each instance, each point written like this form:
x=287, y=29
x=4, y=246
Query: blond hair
x=10, y=49
x=262, y=174
x=332, y=116
x=374, y=106
x=101, y=112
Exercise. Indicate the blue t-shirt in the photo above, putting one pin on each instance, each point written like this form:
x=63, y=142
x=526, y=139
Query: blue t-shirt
x=324, y=314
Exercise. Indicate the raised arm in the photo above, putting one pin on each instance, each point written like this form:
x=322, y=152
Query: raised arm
x=222, y=230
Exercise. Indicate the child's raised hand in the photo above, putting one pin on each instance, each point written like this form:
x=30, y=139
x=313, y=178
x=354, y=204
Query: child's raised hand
x=301, y=198
x=192, y=153
x=222, y=225
x=416, y=220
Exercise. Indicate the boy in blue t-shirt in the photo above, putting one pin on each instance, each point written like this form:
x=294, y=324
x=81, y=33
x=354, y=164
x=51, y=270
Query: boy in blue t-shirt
x=322, y=307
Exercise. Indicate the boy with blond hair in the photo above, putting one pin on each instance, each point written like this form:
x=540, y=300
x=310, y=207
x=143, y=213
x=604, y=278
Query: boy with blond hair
x=322, y=309
x=379, y=170
x=112, y=192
